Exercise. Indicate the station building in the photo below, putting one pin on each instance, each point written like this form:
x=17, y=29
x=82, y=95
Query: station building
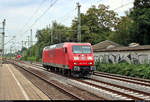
x=111, y=52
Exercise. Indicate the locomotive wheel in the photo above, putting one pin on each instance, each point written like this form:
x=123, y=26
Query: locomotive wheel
x=69, y=73
x=54, y=69
x=63, y=71
x=60, y=70
x=57, y=69
x=51, y=69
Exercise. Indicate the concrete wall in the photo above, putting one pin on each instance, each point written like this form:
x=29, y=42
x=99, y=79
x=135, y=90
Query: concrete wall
x=135, y=57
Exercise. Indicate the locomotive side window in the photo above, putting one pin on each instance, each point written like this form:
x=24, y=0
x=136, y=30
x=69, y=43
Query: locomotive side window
x=81, y=49
x=65, y=49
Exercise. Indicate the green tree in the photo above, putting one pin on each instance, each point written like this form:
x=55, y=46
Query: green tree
x=96, y=24
x=61, y=34
x=121, y=34
x=140, y=32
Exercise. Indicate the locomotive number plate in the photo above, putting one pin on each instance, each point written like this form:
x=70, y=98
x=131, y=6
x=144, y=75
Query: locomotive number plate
x=82, y=58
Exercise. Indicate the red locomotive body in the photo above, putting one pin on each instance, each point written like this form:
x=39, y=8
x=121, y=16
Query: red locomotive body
x=73, y=58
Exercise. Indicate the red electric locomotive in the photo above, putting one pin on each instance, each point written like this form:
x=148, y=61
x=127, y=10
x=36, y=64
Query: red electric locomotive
x=75, y=59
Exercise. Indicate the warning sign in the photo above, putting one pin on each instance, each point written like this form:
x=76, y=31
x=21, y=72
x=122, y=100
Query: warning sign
x=19, y=56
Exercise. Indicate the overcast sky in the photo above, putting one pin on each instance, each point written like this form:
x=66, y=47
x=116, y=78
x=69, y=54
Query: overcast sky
x=21, y=14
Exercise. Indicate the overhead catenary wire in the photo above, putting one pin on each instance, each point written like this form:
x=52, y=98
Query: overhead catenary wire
x=9, y=41
x=34, y=13
x=66, y=17
x=52, y=2
x=99, y=1
x=91, y=2
x=122, y=6
x=50, y=6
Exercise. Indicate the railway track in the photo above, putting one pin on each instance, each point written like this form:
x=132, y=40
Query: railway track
x=62, y=90
x=76, y=97
x=119, y=77
x=123, y=78
x=127, y=77
x=109, y=74
x=119, y=91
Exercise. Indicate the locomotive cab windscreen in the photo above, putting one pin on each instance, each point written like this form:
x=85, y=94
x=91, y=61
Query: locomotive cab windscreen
x=81, y=49
x=82, y=52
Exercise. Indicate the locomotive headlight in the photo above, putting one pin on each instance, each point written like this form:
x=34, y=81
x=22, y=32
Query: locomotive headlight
x=90, y=63
x=90, y=58
x=76, y=58
x=75, y=63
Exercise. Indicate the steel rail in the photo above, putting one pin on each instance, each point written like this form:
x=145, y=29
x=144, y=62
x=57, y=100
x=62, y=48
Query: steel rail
x=123, y=87
x=51, y=83
x=121, y=79
x=121, y=93
x=63, y=76
x=111, y=90
x=127, y=77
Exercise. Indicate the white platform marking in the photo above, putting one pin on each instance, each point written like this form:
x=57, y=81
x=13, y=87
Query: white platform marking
x=22, y=90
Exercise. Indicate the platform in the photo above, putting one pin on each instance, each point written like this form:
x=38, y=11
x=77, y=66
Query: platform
x=14, y=86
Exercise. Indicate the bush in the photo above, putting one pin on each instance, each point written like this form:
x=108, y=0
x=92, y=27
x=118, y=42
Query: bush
x=24, y=58
x=139, y=70
x=31, y=58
